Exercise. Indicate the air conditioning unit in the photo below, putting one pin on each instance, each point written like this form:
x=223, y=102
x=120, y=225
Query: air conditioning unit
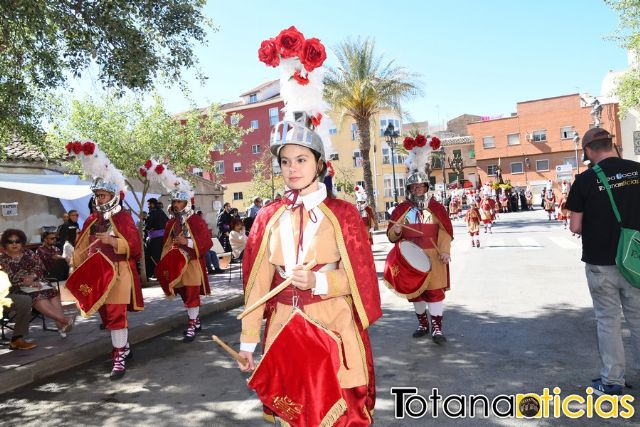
x=528, y=136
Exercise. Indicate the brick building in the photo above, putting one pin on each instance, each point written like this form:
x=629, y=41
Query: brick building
x=528, y=146
x=260, y=108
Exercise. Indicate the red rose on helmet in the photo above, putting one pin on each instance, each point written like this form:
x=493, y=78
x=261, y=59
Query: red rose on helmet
x=313, y=54
x=88, y=148
x=268, y=53
x=435, y=142
x=69, y=147
x=408, y=143
x=77, y=147
x=148, y=164
x=289, y=42
x=315, y=120
x=297, y=76
x=420, y=140
x=159, y=169
x=143, y=172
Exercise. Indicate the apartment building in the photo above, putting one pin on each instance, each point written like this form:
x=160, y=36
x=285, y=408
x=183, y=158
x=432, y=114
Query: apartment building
x=536, y=144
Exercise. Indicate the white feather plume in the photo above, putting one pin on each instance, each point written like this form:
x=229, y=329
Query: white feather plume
x=168, y=179
x=98, y=165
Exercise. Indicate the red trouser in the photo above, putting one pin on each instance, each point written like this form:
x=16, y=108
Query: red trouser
x=430, y=295
x=190, y=295
x=114, y=316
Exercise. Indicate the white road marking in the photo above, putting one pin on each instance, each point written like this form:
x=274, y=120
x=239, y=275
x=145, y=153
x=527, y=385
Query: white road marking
x=565, y=243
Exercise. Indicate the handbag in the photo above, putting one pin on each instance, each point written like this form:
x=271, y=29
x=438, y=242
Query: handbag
x=628, y=253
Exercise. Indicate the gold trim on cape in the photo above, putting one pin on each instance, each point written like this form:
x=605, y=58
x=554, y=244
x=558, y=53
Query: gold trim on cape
x=346, y=262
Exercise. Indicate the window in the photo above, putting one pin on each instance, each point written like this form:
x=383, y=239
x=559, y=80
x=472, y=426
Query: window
x=253, y=98
x=334, y=156
x=457, y=153
x=237, y=167
x=333, y=131
x=197, y=172
x=436, y=161
x=472, y=154
x=539, y=135
x=235, y=119
x=388, y=186
x=354, y=131
x=385, y=122
x=386, y=156
x=491, y=170
x=360, y=183
x=517, y=167
x=219, y=167
x=274, y=116
x=570, y=161
x=357, y=159
x=542, y=165
x=489, y=142
x=255, y=149
x=566, y=132
x=513, y=139
x=254, y=124
x=237, y=195
x=453, y=177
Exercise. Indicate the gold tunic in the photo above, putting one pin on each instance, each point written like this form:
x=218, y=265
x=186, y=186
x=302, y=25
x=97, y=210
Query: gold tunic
x=334, y=312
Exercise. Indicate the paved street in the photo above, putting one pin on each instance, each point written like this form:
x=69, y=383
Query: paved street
x=518, y=319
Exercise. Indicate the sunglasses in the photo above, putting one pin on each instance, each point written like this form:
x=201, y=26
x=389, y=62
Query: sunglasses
x=13, y=242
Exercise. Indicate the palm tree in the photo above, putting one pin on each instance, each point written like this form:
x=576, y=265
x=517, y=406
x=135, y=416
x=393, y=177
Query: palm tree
x=361, y=86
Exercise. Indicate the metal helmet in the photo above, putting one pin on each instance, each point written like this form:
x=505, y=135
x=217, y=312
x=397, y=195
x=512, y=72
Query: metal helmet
x=180, y=196
x=299, y=132
x=109, y=187
x=417, y=177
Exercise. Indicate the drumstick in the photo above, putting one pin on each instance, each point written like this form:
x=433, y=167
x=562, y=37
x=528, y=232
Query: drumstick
x=88, y=247
x=232, y=352
x=406, y=226
x=275, y=291
x=435, y=246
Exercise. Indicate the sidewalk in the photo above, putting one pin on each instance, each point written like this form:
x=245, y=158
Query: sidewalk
x=87, y=342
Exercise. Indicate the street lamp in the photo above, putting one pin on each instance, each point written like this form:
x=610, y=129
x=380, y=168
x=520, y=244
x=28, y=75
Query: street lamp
x=441, y=154
x=391, y=136
x=576, y=140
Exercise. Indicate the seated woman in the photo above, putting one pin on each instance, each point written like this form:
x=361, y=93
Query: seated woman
x=237, y=238
x=25, y=270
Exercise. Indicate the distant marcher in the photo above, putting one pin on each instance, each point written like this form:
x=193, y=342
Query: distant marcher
x=472, y=218
x=592, y=216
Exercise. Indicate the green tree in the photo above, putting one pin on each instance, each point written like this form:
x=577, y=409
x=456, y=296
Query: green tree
x=361, y=86
x=132, y=42
x=131, y=133
x=265, y=181
x=628, y=88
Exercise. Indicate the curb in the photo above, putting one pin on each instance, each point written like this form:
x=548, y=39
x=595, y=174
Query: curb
x=12, y=379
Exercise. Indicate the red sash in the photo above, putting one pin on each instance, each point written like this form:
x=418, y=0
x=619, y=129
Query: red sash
x=297, y=377
x=91, y=283
x=170, y=269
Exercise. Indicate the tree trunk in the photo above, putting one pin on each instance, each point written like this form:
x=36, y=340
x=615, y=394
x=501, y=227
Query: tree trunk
x=365, y=148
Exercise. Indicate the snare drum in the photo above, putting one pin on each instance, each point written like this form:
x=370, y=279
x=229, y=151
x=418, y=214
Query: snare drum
x=407, y=269
x=170, y=269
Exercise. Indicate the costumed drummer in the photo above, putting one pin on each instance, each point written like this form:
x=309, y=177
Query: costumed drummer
x=365, y=211
x=105, y=278
x=187, y=240
x=550, y=201
x=423, y=213
x=340, y=293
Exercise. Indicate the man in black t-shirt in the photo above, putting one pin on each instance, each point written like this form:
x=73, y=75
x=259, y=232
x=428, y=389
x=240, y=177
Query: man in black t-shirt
x=592, y=217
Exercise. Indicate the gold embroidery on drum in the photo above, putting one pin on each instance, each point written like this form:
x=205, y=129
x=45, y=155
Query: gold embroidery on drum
x=85, y=289
x=395, y=269
x=287, y=407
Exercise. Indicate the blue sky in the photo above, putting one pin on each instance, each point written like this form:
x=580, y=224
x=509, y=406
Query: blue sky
x=477, y=57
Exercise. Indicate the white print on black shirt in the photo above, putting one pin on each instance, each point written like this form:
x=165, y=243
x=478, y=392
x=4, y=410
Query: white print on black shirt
x=619, y=176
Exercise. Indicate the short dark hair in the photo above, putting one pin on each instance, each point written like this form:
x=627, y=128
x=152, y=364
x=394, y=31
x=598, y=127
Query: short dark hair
x=9, y=232
x=73, y=212
x=44, y=234
x=234, y=222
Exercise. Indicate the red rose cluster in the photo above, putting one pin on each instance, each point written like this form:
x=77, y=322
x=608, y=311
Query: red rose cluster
x=147, y=165
x=87, y=148
x=291, y=43
x=420, y=141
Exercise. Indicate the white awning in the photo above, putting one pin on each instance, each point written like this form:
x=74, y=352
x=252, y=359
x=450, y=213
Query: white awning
x=68, y=187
